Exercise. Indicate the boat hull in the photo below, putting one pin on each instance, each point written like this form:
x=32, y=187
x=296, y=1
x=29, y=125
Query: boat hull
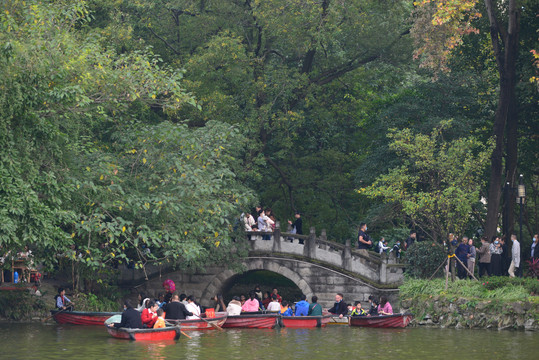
x=304, y=321
x=167, y=333
x=384, y=321
x=81, y=317
x=252, y=321
x=199, y=324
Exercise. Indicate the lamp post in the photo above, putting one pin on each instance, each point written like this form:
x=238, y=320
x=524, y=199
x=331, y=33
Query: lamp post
x=521, y=193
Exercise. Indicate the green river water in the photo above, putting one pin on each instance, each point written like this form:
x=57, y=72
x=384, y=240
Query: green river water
x=48, y=341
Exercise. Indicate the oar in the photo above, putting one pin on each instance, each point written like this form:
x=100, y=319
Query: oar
x=212, y=324
x=178, y=325
x=48, y=318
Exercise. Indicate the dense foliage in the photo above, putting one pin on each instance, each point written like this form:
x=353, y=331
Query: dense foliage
x=424, y=258
x=133, y=132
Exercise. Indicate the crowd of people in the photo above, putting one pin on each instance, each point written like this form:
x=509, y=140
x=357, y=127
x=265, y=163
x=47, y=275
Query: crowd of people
x=154, y=313
x=273, y=302
x=264, y=220
x=494, y=257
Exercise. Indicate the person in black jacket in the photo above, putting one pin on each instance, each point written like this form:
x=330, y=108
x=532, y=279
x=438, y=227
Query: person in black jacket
x=176, y=310
x=364, y=241
x=130, y=318
x=340, y=307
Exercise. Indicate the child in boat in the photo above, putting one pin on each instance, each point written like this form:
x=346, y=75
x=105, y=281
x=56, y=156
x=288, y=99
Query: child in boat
x=358, y=310
x=374, y=305
x=160, y=322
x=285, y=309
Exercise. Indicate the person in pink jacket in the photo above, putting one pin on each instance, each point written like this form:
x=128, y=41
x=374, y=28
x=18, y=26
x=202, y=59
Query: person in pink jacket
x=251, y=304
x=385, y=307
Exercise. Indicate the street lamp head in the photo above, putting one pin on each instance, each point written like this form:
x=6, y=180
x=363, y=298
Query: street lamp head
x=521, y=188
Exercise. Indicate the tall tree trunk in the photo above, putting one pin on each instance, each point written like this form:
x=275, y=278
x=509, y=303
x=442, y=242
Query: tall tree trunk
x=511, y=159
x=506, y=62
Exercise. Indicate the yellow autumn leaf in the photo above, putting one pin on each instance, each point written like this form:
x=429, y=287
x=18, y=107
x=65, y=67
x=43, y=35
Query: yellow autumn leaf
x=101, y=177
x=216, y=234
x=144, y=160
x=217, y=243
x=123, y=229
x=72, y=235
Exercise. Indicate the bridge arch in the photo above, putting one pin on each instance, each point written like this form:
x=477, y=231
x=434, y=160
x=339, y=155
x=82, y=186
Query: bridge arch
x=217, y=284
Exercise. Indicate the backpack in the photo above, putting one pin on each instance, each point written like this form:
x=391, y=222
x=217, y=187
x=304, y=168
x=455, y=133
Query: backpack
x=377, y=248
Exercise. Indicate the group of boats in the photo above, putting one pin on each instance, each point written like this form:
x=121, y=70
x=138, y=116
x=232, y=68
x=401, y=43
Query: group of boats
x=221, y=320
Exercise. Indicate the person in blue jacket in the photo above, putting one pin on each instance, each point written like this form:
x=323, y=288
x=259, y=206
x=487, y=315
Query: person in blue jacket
x=285, y=310
x=302, y=307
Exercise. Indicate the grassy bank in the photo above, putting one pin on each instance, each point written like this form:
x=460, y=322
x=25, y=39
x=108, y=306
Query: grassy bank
x=495, y=302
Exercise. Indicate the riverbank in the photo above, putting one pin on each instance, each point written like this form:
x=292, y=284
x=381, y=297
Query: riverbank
x=494, y=303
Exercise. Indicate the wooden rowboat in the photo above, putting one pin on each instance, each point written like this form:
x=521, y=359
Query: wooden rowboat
x=304, y=321
x=81, y=317
x=166, y=333
x=335, y=320
x=382, y=321
x=252, y=321
x=202, y=324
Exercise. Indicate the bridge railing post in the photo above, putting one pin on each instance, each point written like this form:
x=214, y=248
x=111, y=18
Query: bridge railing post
x=277, y=238
x=347, y=256
x=323, y=238
x=309, y=249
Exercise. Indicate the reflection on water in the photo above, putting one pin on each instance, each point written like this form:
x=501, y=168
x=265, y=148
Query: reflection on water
x=38, y=341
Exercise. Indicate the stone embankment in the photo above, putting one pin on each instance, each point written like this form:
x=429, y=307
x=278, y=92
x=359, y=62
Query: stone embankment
x=443, y=312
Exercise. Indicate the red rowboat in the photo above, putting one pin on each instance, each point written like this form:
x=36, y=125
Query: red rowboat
x=252, y=321
x=202, y=324
x=81, y=317
x=382, y=321
x=304, y=321
x=166, y=333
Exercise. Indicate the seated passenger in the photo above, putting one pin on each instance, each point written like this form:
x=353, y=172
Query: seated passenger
x=374, y=305
x=143, y=301
x=385, y=307
x=234, y=306
x=160, y=322
x=62, y=302
x=149, y=315
x=250, y=304
x=358, y=310
x=192, y=307
x=130, y=318
x=302, y=307
x=340, y=307
x=267, y=298
x=274, y=305
x=175, y=310
x=285, y=310
x=314, y=308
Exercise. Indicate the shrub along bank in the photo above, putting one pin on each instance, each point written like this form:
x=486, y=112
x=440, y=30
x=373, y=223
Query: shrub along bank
x=494, y=302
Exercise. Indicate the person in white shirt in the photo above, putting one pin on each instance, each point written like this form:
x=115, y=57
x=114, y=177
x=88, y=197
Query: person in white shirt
x=382, y=246
x=274, y=305
x=515, y=256
x=193, y=308
x=234, y=306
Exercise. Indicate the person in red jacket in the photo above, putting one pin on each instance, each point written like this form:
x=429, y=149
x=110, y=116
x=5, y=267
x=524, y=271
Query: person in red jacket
x=149, y=315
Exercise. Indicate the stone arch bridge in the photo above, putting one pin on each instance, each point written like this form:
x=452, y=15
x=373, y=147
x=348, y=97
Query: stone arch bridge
x=317, y=266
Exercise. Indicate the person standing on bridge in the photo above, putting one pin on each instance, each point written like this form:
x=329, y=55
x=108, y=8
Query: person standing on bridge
x=364, y=241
